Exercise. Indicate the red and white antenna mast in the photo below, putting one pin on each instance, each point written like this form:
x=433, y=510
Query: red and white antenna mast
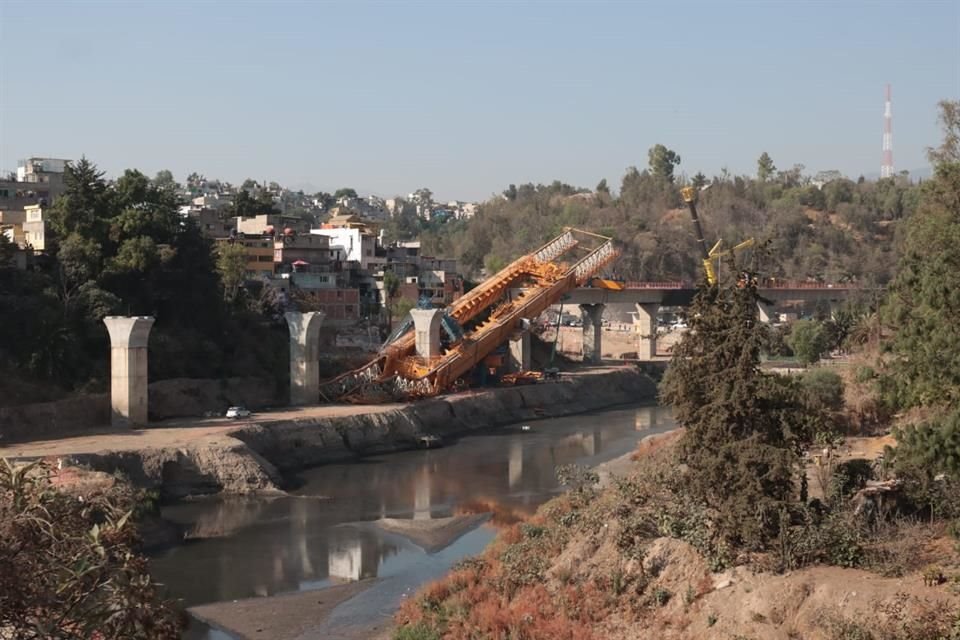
x=886, y=169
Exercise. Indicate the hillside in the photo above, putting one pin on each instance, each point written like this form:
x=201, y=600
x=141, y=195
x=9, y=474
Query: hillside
x=617, y=563
x=840, y=231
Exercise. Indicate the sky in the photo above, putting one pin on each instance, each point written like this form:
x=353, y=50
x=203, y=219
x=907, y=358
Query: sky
x=467, y=97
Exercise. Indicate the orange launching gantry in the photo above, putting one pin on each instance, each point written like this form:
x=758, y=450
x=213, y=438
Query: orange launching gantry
x=488, y=315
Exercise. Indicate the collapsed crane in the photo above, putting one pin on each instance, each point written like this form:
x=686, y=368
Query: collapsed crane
x=476, y=323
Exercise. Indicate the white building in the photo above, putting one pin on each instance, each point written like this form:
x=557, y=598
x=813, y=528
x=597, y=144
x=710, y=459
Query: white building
x=41, y=169
x=356, y=245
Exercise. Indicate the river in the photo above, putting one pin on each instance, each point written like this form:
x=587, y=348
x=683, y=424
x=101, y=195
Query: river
x=322, y=533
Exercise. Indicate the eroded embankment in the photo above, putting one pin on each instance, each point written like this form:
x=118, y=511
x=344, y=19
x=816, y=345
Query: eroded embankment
x=254, y=457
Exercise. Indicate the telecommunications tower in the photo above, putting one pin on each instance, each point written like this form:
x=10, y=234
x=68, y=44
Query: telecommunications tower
x=886, y=169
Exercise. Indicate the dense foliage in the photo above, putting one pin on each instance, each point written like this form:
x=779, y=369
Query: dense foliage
x=839, y=230
x=744, y=429
x=68, y=570
x=924, y=299
x=121, y=248
x=808, y=340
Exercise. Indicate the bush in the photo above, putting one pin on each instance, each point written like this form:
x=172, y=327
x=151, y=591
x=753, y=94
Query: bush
x=67, y=568
x=419, y=631
x=822, y=389
x=809, y=340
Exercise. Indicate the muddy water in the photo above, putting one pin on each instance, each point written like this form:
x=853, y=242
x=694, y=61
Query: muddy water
x=323, y=534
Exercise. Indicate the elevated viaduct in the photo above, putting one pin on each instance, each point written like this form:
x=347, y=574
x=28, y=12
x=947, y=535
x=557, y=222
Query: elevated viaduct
x=648, y=297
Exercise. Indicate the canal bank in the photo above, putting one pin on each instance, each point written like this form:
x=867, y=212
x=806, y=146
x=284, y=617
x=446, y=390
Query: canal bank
x=258, y=456
x=385, y=523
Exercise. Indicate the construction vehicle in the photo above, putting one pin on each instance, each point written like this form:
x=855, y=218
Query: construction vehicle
x=708, y=255
x=476, y=323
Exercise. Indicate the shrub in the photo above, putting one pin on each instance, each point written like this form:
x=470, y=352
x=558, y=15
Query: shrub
x=577, y=477
x=809, y=340
x=67, y=567
x=419, y=631
x=822, y=389
x=661, y=596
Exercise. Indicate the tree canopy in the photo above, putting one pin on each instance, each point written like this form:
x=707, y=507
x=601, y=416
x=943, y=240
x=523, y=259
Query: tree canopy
x=923, y=303
x=121, y=247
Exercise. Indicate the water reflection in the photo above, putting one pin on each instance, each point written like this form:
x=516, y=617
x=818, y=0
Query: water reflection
x=326, y=532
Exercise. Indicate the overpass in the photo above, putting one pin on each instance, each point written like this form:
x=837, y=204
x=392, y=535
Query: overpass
x=648, y=297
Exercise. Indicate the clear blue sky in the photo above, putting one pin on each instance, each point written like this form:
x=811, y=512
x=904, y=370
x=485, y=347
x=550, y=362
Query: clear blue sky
x=467, y=97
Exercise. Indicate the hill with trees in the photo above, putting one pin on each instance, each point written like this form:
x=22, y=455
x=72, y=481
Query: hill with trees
x=747, y=523
x=825, y=227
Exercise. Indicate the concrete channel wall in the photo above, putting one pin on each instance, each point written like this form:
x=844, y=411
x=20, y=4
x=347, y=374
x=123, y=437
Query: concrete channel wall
x=255, y=458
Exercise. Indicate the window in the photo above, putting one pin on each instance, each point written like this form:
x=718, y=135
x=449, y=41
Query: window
x=349, y=308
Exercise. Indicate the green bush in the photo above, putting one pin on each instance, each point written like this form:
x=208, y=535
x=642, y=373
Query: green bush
x=823, y=389
x=419, y=631
x=809, y=340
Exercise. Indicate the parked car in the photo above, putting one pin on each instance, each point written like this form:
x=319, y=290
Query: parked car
x=238, y=412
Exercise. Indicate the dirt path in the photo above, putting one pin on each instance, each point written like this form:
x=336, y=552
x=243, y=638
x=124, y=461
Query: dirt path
x=177, y=432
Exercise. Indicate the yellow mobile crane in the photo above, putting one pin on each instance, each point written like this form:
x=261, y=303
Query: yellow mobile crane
x=708, y=255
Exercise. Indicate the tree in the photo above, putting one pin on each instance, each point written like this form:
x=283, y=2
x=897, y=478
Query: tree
x=923, y=303
x=662, y=161
x=602, y=187
x=165, y=181
x=698, y=180
x=79, y=261
x=949, y=151
x=68, y=569
x=744, y=429
x=232, y=267
x=808, y=340
x=399, y=308
x=7, y=251
x=324, y=199
x=510, y=193
x=765, y=167
x=344, y=192
x=423, y=196
x=83, y=208
x=245, y=205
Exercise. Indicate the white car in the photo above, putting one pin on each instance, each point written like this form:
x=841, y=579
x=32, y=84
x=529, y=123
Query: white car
x=238, y=412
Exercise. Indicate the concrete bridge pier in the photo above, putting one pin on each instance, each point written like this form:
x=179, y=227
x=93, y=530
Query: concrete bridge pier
x=592, y=315
x=304, y=356
x=646, y=327
x=767, y=312
x=426, y=324
x=128, y=369
x=520, y=351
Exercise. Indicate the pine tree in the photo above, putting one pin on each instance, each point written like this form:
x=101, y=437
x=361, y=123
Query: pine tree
x=923, y=306
x=744, y=429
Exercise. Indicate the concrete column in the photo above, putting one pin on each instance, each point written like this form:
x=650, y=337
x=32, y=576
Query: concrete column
x=592, y=315
x=646, y=327
x=128, y=369
x=426, y=324
x=767, y=312
x=304, y=356
x=520, y=351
